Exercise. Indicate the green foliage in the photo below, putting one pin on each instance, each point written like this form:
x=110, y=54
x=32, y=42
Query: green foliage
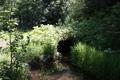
x=2, y=2
x=44, y=39
x=35, y=12
x=6, y=19
x=90, y=32
x=97, y=64
x=6, y=24
x=12, y=73
x=14, y=68
x=80, y=9
x=101, y=30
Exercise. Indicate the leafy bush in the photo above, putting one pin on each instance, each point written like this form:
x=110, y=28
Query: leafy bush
x=100, y=30
x=86, y=8
x=12, y=73
x=14, y=67
x=97, y=64
x=44, y=39
x=43, y=45
x=35, y=12
x=2, y=2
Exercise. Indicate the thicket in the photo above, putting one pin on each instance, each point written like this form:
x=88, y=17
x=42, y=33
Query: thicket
x=27, y=48
x=13, y=66
x=96, y=64
x=92, y=22
x=2, y=2
x=100, y=29
x=42, y=45
x=44, y=40
x=96, y=27
x=80, y=9
x=35, y=12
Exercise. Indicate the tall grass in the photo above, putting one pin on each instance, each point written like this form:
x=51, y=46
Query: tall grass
x=97, y=64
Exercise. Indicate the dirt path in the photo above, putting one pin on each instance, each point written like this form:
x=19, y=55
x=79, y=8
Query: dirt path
x=35, y=75
x=63, y=72
x=61, y=76
x=56, y=76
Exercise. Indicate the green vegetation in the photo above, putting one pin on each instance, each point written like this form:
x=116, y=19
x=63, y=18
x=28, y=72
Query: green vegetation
x=32, y=30
x=13, y=68
x=44, y=39
x=97, y=64
x=100, y=30
x=34, y=12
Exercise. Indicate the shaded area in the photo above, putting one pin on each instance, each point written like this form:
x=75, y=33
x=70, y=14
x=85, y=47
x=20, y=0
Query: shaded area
x=64, y=74
x=64, y=46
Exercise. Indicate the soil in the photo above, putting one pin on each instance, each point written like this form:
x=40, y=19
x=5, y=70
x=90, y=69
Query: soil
x=56, y=76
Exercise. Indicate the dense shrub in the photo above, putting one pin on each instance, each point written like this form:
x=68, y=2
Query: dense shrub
x=2, y=2
x=43, y=45
x=14, y=67
x=34, y=12
x=97, y=64
x=86, y=8
x=12, y=73
x=44, y=39
x=100, y=30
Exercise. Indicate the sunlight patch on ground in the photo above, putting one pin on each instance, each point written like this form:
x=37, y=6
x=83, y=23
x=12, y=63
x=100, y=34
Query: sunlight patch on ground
x=3, y=43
